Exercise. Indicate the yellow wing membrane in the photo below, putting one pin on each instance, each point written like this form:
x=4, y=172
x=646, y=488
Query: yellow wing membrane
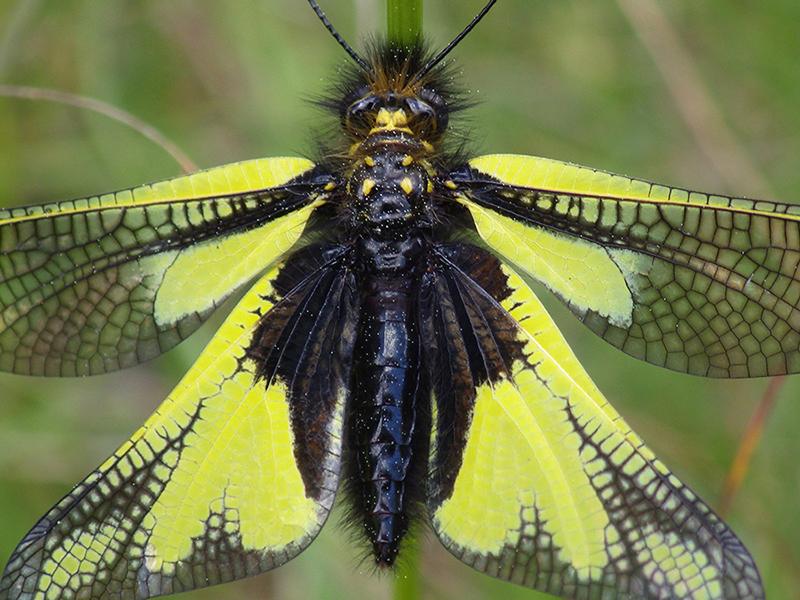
x=695, y=282
x=550, y=488
x=220, y=483
x=97, y=284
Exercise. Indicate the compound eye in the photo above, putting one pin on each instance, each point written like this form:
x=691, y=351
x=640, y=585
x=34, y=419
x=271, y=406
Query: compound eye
x=425, y=117
x=418, y=108
x=438, y=105
x=359, y=112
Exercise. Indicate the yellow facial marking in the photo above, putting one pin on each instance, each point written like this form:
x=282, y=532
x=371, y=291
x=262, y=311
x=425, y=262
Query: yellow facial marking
x=407, y=186
x=368, y=186
x=384, y=117
x=408, y=160
x=395, y=120
x=391, y=119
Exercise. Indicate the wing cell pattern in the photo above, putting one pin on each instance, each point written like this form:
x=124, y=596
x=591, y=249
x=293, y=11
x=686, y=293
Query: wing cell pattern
x=97, y=284
x=553, y=490
x=704, y=284
x=215, y=485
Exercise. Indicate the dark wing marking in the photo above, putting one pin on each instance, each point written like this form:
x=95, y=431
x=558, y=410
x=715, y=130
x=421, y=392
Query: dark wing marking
x=536, y=479
x=98, y=284
x=704, y=284
x=230, y=477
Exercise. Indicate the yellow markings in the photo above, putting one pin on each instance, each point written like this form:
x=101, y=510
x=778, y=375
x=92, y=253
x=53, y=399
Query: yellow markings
x=199, y=277
x=582, y=273
x=681, y=562
x=384, y=117
x=522, y=451
x=524, y=459
x=239, y=462
x=330, y=186
x=375, y=130
x=408, y=160
x=367, y=186
x=394, y=120
x=519, y=454
x=567, y=178
x=237, y=459
x=429, y=187
x=369, y=161
x=407, y=186
x=428, y=147
x=66, y=565
x=236, y=178
x=450, y=184
x=391, y=118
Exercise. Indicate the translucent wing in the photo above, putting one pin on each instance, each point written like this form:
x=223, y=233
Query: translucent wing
x=97, y=284
x=536, y=479
x=694, y=282
x=233, y=475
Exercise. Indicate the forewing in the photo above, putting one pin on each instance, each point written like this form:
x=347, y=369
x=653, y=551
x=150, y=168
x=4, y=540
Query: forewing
x=536, y=479
x=93, y=285
x=231, y=476
x=694, y=282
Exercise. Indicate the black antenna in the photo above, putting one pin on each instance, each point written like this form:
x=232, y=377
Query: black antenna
x=449, y=48
x=353, y=54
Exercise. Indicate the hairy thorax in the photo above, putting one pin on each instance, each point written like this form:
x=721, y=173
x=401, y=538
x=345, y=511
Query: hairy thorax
x=390, y=187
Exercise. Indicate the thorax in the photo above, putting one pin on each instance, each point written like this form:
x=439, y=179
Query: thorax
x=389, y=191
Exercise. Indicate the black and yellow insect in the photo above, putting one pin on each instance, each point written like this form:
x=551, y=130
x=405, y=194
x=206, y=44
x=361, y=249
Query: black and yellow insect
x=392, y=347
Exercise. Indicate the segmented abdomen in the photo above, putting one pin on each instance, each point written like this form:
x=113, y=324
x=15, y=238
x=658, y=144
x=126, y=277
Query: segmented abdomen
x=386, y=388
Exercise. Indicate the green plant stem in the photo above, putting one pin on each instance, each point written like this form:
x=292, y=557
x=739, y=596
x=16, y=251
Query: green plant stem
x=407, y=582
x=404, y=21
x=404, y=27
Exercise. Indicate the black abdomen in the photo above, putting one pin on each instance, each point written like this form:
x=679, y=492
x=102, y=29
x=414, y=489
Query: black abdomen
x=387, y=397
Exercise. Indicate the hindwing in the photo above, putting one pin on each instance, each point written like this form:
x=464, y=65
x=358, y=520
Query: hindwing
x=536, y=478
x=695, y=282
x=97, y=284
x=233, y=475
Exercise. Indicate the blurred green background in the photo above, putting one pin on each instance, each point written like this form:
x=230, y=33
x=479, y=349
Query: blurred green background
x=701, y=94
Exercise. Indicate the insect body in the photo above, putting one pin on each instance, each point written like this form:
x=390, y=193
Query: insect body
x=391, y=200
x=392, y=347
x=394, y=129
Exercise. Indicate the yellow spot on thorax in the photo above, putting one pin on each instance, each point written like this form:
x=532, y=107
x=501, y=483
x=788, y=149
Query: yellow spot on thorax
x=407, y=186
x=367, y=186
x=369, y=161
